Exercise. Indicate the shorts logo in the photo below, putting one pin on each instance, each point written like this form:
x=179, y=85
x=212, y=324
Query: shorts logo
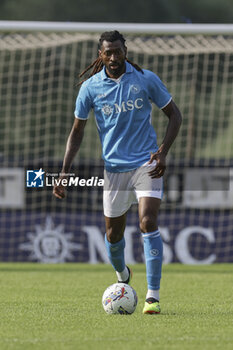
x=107, y=109
x=154, y=252
x=135, y=89
x=35, y=178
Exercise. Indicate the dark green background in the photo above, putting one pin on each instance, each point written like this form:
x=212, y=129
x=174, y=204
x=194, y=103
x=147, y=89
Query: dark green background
x=148, y=11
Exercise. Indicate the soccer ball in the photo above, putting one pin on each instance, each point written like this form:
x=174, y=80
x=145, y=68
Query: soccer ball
x=119, y=298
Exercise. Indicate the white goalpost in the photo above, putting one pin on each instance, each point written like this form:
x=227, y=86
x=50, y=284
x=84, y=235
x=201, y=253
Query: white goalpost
x=98, y=27
x=39, y=67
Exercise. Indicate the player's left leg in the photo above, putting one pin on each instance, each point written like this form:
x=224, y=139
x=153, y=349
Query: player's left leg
x=153, y=250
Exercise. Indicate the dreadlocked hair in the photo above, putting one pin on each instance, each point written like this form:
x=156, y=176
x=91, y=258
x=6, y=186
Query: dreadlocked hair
x=97, y=65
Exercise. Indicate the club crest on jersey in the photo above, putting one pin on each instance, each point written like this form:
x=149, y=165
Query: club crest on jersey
x=135, y=89
x=107, y=109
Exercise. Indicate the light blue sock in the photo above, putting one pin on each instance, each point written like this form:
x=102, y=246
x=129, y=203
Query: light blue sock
x=153, y=250
x=116, y=253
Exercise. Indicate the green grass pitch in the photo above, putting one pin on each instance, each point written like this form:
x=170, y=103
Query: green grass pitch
x=59, y=307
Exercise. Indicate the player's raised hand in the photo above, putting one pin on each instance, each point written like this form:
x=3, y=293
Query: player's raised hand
x=160, y=166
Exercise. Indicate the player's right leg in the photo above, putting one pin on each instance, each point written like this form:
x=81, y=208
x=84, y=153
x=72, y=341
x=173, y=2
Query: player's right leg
x=115, y=245
x=117, y=199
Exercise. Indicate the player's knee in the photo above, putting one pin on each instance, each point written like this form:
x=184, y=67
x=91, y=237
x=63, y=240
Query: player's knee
x=113, y=236
x=148, y=223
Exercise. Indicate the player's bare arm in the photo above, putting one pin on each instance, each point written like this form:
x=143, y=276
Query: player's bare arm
x=73, y=143
x=175, y=119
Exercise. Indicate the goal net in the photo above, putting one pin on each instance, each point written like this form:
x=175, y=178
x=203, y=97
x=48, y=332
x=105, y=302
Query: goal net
x=38, y=88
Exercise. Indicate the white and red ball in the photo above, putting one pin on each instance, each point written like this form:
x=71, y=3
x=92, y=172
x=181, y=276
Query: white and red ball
x=119, y=298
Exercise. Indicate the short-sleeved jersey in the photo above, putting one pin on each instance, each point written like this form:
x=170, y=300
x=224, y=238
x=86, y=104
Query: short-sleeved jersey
x=123, y=115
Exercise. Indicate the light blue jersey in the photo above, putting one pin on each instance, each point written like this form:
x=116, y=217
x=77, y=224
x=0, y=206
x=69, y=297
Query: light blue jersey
x=123, y=115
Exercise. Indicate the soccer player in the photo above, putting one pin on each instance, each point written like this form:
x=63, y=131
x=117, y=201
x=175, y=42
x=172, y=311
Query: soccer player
x=121, y=95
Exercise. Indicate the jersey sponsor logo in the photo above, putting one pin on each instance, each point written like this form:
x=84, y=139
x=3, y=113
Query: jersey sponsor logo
x=129, y=105
x=135, y=89
x=107, y=109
